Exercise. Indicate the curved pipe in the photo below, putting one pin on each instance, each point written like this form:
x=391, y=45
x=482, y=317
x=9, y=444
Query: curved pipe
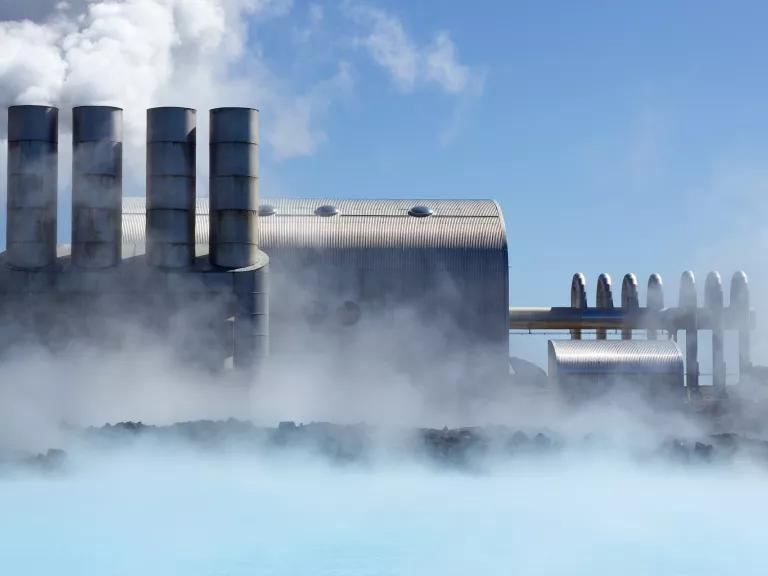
x=654, y=301
x=629, y=301
x=578, y=299
x=713, y=300
x=604, y=299
x=739, y=304
x=688, y=302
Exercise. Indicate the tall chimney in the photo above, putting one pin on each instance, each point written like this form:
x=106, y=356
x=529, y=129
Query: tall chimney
x=171, y=187
x=234, y=187
x=97, y=186
x=33, y=143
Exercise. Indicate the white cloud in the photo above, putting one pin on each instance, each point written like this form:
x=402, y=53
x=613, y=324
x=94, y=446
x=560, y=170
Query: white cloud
x=409, y=64
x=140, y=53
x=443, y=67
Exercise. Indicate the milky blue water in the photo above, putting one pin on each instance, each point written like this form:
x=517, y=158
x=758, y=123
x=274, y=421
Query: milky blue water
x=157, y=514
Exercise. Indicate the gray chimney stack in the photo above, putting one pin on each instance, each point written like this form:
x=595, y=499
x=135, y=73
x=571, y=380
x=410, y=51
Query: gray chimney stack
x=171, y=172
x=234, y=187
x=97, y=186
x=33, y=142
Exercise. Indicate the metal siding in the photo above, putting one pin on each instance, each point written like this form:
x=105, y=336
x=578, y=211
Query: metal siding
x=457, y=224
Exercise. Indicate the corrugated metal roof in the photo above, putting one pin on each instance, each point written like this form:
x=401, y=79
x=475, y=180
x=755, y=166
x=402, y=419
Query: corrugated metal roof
x=355, y=206
x=456, y=224
x=614, y=357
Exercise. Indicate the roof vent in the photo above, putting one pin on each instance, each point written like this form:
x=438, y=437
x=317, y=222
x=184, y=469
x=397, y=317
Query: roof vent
x=327, y=210
x=420, y=211
x=267, y=210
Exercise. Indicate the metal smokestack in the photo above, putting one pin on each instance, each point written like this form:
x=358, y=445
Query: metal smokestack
x=97, y=186
x=33, y=143
x=234, y=187
x=171, y=139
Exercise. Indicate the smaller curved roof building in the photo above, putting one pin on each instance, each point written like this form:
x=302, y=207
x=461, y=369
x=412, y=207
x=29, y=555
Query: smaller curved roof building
x=588, y=368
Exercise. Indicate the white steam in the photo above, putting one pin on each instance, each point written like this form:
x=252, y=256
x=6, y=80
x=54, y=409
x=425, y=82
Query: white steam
x=141, y=53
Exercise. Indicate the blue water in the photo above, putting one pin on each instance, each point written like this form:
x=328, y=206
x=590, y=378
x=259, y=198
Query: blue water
x=145, y=514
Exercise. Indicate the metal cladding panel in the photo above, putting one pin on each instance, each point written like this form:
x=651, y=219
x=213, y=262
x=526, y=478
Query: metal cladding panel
x=97, y=185
x=97, y=124
x=33, y=123
x=610, y=357
x=32, y=186
x=171, y=124
x=234, y=125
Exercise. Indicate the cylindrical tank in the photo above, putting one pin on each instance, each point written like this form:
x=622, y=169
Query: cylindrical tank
x=234, y=187
x=97, y=186
x=33, y=143
x=171, y=141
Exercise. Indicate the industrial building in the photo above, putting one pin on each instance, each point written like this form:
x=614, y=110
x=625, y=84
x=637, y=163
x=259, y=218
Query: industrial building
x=425, y=281
x=435, y=267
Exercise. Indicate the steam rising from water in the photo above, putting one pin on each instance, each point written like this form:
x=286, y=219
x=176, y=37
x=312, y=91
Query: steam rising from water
x=159, y=508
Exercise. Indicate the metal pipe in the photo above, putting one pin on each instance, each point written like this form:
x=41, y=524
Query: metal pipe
x=33, y=145
x=234, y=187
x=739, y=305
x=171, y=177
x=251, y=342
x=713, y=300
x=629, y=301
x=97, y=186
x=234, y=231
x=654, y=301
x=567, y=318
x=688, y=302
x=578, y=299
x=604, y=300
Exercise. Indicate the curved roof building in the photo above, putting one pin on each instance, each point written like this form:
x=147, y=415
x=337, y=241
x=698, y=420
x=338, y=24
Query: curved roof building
x=436, y=267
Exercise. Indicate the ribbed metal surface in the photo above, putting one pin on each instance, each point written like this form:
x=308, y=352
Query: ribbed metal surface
x=32, y=186
x=631, y=357
x=372, y=223
x=97, y=185
x=171, y=173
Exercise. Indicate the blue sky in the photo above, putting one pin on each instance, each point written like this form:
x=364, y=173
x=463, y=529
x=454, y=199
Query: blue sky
x=617, y=138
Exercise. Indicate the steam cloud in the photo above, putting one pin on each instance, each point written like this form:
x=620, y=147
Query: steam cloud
x=140, y=53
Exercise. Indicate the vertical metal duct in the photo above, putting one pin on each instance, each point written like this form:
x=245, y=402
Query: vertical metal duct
x=578, y=299
x=234, y=226
x=629, y=301
x=604, y=300
x=688, y=303
x=234, y=187
x=739, y=304
x=97, y=186
x=713, y=301
x=171, y=141
x=33, y=143
x=654, y=303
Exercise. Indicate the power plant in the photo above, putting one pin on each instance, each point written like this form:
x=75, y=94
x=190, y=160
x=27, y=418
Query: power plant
x=294, y=277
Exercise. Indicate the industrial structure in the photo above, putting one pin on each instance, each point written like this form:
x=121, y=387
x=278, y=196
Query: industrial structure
x=654, y=320
x=53, y=294
x=338, y=268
